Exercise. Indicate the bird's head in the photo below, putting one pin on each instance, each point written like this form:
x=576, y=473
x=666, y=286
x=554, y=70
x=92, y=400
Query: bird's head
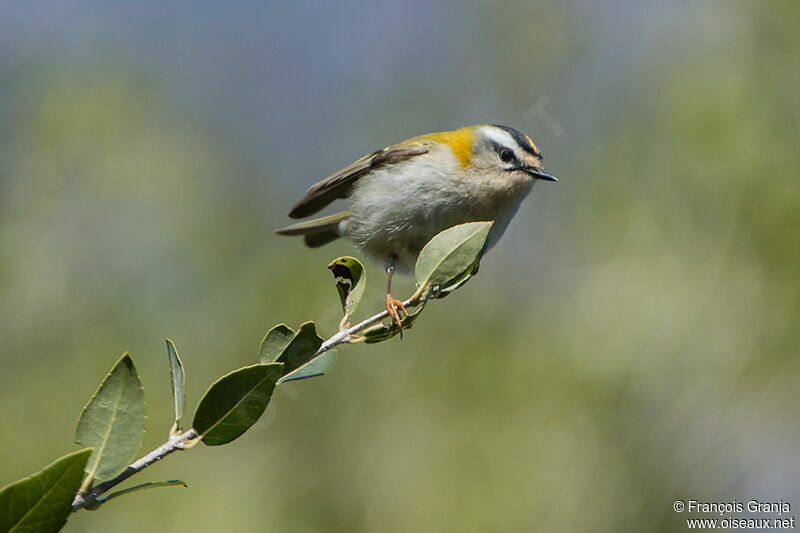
x=507, y=151
x=499, y=153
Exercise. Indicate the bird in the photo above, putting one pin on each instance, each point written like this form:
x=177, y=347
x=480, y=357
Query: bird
x=403, y=195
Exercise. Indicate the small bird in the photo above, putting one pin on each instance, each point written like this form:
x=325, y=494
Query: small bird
x=403, y=195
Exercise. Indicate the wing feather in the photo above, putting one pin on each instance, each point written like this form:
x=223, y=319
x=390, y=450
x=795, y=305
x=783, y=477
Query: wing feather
x=338, y=185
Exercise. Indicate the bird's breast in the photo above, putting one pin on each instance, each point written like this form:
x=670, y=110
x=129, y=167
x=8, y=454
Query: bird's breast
x=397, y=209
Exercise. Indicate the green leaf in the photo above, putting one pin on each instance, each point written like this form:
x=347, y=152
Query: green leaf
x=304, y=344
x=274, y=343
x=451, y=254
x=458, y=282
x=351, y=278
x=235, y=402
x=113, y=421
x=143, y=486
x=43, y=501
x=177, y=380
x=315, y=367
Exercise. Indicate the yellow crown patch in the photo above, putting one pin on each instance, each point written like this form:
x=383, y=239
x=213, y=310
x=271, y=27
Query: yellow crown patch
x=535, y=150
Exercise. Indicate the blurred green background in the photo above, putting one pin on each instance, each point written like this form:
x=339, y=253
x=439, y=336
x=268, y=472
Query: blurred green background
x=632, y=340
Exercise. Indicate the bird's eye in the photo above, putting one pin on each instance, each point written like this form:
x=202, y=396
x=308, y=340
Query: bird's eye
x=506, y=155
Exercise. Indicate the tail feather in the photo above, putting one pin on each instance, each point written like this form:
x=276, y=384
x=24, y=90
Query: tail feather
x=317, y=232
x=320, y=238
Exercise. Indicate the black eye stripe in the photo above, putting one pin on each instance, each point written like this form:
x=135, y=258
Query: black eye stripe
x=520, y=139
x=505, y=153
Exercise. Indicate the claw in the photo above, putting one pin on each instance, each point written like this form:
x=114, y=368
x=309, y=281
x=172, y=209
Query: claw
x=394, y=307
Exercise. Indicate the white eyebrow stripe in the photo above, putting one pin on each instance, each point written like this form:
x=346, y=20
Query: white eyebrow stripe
x=500, y=137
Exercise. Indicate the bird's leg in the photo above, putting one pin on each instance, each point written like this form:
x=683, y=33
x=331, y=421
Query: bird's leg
x=393, y=305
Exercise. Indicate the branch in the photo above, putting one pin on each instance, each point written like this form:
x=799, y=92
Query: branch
x=91, y=499
x=345, y=336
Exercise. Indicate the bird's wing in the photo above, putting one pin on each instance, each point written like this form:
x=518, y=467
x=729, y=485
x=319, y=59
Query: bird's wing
x=338, y=185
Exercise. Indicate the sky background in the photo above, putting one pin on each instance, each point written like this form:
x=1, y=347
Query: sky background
x=631, y=341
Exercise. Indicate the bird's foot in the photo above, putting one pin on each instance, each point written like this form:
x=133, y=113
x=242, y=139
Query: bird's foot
x=394, y=307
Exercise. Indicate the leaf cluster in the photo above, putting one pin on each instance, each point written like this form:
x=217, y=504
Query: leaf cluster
x=111, y=426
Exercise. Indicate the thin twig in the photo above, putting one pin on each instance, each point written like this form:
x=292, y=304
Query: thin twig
x=89, y=499
x=346, y=335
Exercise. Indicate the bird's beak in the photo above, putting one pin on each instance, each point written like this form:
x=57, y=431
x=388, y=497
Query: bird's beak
x=537, y=174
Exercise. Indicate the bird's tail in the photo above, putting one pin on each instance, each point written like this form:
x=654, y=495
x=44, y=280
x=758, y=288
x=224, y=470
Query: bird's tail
x=317, y=232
